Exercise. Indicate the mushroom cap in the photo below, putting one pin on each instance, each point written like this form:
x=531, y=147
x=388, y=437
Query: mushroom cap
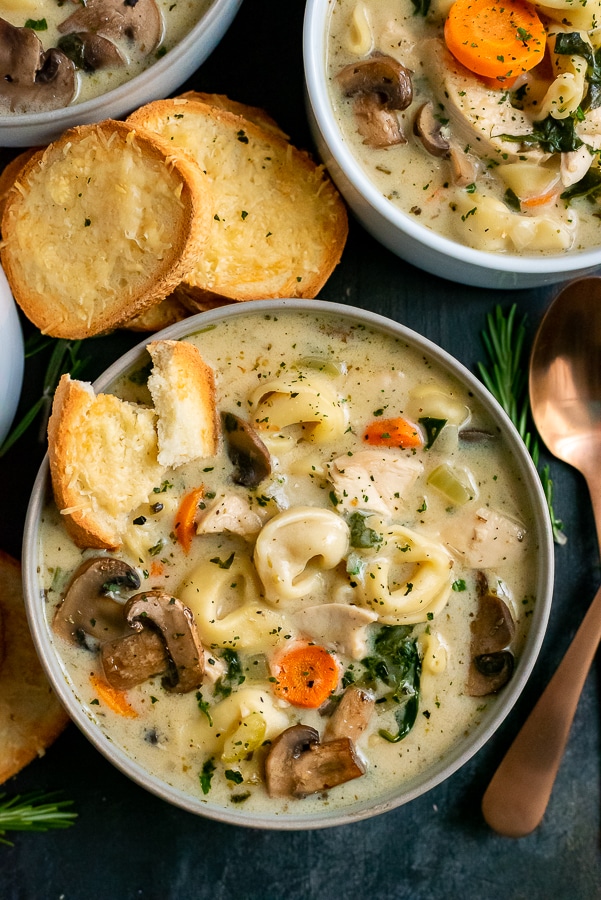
x=427, y=127
x=493, y=630
x=285, y=748
x=90, y=51
x=175, y=623
x=378, y=75
x=246, y=451
x=138, y=20
x=131, y=659
x=32, y=80
x=87, y=608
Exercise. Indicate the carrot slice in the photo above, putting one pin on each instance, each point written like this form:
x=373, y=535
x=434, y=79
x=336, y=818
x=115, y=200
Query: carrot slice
x=305, y=676
x=185, y=520
x=496, y=40
x=114, y=699
x=396, y=432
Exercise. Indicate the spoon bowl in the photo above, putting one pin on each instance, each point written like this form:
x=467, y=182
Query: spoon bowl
x=565, y=397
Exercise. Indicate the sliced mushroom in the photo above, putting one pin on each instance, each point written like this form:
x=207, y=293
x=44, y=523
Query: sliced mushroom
x=379, y=85
x=351, y=716
x=88, y=610
x=429, y=129
x=32, y=80
x=91, y=52
x=138, y=20
x=298, y=764
x=493, y=630
x=132, y=659
x=175, y=624
x=246, y=450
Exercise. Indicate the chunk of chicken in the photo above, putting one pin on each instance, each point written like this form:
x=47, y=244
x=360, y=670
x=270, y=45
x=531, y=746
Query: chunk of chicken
x=230, y=512
x=343, y=625
x=478, y=115
x=492, y=539
x=373, y=480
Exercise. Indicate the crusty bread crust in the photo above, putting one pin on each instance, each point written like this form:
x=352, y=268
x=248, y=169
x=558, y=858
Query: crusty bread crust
x=11, y=172
x=103, y=461
x=31, y=717
x=100, y=226
x=279, y=226
x=182, y=387
x=164, y=313
x=253, y=113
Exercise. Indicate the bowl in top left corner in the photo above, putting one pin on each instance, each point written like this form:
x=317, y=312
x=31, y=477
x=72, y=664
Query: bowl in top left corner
x=11, y=357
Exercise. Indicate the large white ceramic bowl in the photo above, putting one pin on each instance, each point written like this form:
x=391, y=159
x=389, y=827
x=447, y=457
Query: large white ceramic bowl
x=388, y=797
x=159, y=80
x=396, y=230
x=11, y=357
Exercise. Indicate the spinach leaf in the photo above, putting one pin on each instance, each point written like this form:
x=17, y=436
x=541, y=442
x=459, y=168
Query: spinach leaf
x=551, y=135
x=432, y=427
x=589, y=186
x=572, y=44
x=361, y=535
x=395, y=663
x=232, y=677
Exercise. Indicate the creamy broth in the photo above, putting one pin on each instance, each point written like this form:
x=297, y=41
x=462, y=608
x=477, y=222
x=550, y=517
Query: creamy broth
x=476, y=187
x=368, y=376
x=47, y=16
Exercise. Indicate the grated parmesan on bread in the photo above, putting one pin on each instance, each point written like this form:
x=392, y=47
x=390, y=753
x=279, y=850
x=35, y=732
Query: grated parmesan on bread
x=182, y=387
x=108, y=455
x=278, y=226
x=31, y=717
x=100, y=226
x=103, y=461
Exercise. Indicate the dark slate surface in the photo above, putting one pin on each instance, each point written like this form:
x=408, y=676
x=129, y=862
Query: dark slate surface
x=128, y=844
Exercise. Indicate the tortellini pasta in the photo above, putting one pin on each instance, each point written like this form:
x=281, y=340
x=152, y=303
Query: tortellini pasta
x=408, y=580
x=312, y=403
x=227, y=606
x=360, y=38
x=487, y=224
x=295, y=547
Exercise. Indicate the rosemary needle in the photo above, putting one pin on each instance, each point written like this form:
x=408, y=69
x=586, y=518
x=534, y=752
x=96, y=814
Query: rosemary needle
x=505, y=378
x=63, y=359
x=33, y=812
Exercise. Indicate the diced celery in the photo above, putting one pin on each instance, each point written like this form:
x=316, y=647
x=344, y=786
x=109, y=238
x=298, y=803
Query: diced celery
x=445, y=480
x=326, y=366
x=248, y=736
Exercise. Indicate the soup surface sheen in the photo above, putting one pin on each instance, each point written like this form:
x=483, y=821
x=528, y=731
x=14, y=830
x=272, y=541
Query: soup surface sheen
x=139, y=46
x=503, y=164
x=346, y=540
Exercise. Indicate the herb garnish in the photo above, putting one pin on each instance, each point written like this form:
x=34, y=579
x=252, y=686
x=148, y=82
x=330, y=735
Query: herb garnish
x=551, y=135
x=36, y=811
x=62, y=360
x=505, y=378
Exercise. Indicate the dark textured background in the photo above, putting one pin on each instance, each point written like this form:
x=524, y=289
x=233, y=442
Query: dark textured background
x=129, y=844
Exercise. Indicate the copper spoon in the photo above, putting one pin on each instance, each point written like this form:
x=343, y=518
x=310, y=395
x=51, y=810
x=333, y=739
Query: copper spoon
x=565, y=396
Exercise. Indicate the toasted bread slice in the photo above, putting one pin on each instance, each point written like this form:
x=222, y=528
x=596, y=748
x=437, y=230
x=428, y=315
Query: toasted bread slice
x=164, y=313
x=31, y=717
x=182, y=387
x=103, y=461
x=253, y=113
x=11, y=172
x=100, y=226
x=279, y=225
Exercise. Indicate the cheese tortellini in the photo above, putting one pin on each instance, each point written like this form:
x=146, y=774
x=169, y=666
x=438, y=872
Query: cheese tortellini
x=295, y=548
x=408, y=580
x=311, y=403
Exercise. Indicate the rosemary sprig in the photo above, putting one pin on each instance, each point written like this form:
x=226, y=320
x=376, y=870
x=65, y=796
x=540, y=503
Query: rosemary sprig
x=36, y=811
x=505, y=377
x=62, y=359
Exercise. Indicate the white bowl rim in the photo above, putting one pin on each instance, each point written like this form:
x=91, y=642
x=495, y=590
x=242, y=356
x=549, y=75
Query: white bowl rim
x=314, y=53
x=465, y=749
x=64, y=117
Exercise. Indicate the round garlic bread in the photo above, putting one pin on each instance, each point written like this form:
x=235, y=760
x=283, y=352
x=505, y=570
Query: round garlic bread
x=278, y=226
x=31, y=717
x=101, y=225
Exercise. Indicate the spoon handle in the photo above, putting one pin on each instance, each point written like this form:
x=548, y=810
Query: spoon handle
x=516, y=798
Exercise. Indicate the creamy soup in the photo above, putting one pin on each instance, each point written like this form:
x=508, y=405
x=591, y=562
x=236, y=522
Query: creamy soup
x=506, y=161
x=100, y=44
x=383, y=516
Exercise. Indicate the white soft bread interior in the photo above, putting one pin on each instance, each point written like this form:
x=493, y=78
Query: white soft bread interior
x=100, y=226
x=103, y=456
x=182, y=387
x=278, y=226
